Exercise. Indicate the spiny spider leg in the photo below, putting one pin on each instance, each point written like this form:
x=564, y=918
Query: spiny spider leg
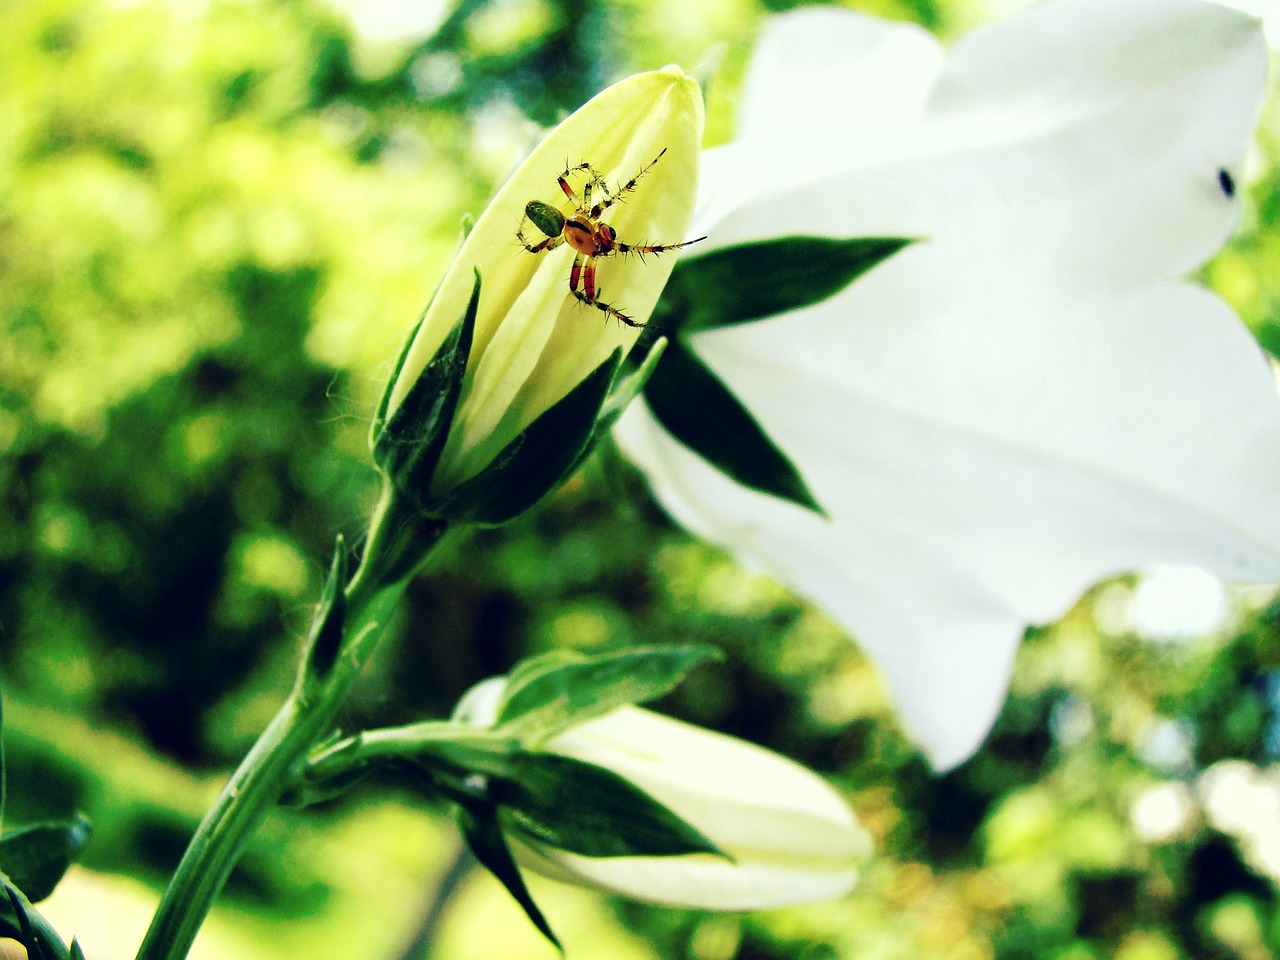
x=612, y=198
x=593, y=180
x=548, y=244
x=641, y=249
x=585, y=271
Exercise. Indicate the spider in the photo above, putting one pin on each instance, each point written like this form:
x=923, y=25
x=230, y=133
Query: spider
x=584, y=232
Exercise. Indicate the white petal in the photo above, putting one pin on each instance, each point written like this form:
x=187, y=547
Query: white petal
x=1121, y=186
x=819, y=67
x=791, y=836
x=1170, y=87
x=699, y=882
x=1016, y=406
x=742, y=796
x=989, y=471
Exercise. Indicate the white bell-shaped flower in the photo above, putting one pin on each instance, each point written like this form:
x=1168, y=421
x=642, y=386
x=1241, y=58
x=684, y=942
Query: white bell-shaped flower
x=1027, y=399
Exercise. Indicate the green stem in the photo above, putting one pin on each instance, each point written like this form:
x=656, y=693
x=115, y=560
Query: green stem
x=398, y=544
x=217, y=844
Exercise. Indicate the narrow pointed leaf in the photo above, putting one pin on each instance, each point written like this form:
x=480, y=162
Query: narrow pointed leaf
x=330, y=616
x=588, y=810
x=697, y=409
x=33, y=930
x=622, y=393
x=539, y=702
x=627, y=387
x=384, y=402
x=380, y=414
x=409, y=445
x=756, y=280
x=537, y=460
x=479, y=825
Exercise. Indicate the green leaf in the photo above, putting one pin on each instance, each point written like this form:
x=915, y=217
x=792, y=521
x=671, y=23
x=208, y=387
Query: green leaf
x=622, y=393
x=756, y=280
x=30, y=928
x=479, y=825
x=538, y=460
x=35, y=857
x=696, y=408
x=530, y=668
x=626, y=388
x=591, y=811
x=550, y=694
x=409, y=445
x=328, y=622
x=380, y=413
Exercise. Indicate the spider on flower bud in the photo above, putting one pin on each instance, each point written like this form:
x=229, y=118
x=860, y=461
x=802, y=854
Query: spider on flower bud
x=584, y=231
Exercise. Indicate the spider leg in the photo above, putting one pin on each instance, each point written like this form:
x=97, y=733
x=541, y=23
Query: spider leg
x=642, y=249
x=612, y=198
x=594, y=180
x=585, y=271
x=575, y=274
x=550, y=243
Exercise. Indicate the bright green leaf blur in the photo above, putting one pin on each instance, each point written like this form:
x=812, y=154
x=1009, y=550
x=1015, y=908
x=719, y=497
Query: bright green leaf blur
x=217, y=221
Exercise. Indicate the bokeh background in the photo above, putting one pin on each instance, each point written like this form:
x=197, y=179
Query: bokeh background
x=217, y=221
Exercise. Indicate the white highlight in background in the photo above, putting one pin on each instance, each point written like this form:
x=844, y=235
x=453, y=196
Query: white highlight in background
x=1177, y=603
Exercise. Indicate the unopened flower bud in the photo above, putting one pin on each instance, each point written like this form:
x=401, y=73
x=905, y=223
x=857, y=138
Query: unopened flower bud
x=500, y=388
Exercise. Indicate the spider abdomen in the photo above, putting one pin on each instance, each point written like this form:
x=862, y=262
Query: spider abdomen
x=545, y=217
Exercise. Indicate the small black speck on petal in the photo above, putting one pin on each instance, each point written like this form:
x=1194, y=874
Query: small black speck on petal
x=1227, y=183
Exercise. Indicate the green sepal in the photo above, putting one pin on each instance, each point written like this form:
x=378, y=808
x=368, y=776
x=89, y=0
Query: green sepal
x=696, y=408
x=333, y=768
x=628, y=387
x=28, y=926
x=407, y=447
x=536, y=461
x=624, y=390
x=752, y=281
x=308, y=791
x=380, y=412
x=35, y=857
x=329, y=621
x=479, y=825
x=589, y=810
x=76, y=952
x=556, y=691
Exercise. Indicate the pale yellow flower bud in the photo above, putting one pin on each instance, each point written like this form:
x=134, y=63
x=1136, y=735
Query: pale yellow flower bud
x=534, y=340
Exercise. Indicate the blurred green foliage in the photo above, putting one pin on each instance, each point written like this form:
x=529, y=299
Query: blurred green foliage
x=216, y=222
